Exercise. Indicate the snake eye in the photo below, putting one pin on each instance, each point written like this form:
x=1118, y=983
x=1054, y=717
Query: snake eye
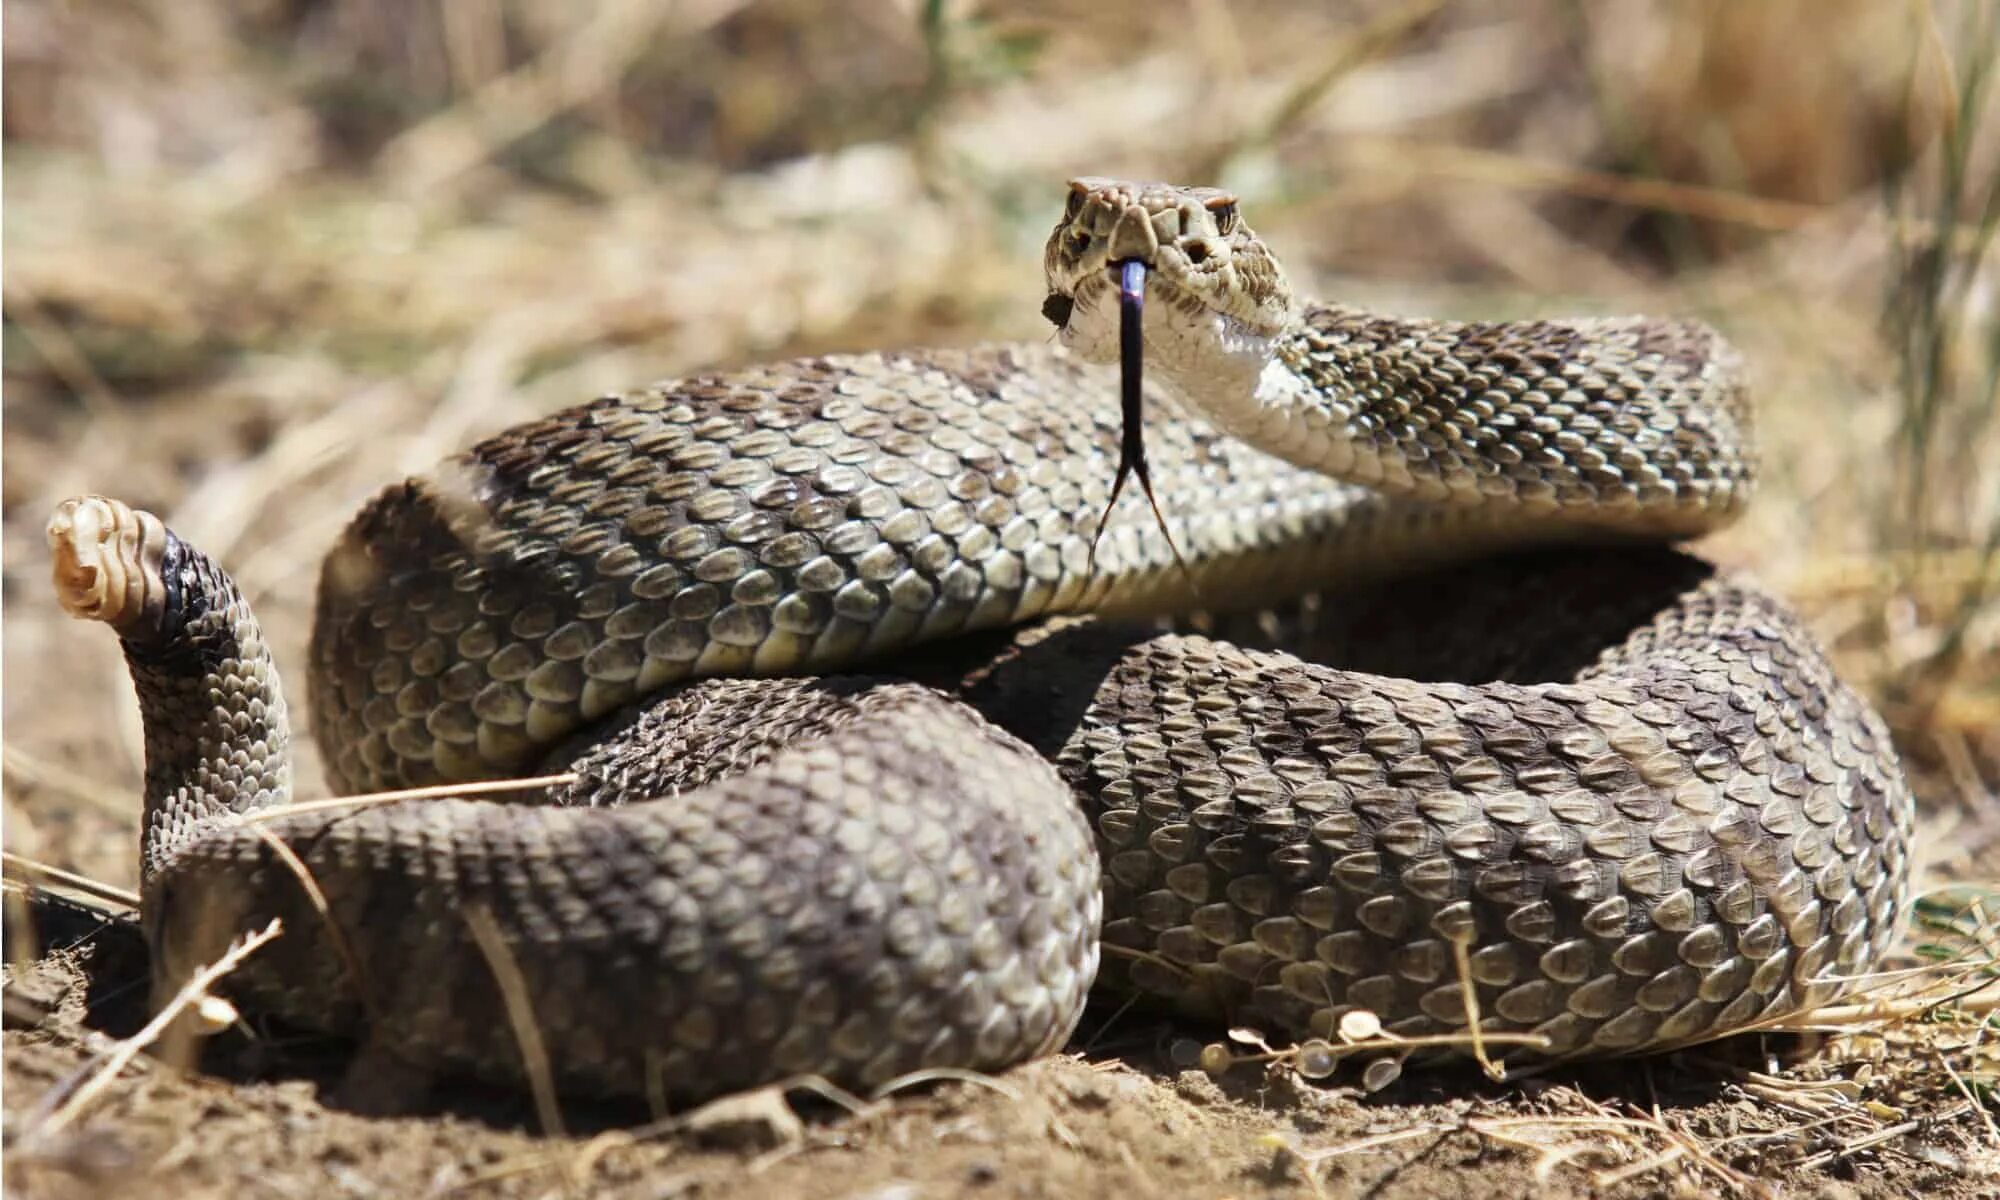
x=1224, y=212
x=1075, y=204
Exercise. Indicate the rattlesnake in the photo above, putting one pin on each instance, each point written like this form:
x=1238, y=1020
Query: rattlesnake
x=1617, y=793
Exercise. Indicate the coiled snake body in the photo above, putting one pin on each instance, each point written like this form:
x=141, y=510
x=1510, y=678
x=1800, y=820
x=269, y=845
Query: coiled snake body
x=1627, y=788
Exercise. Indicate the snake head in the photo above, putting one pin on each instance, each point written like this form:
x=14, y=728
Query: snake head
x=1214, y=290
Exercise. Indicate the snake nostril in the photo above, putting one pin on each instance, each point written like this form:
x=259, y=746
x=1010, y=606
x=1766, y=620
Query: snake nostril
x=1080, y=239
x=1057, y=308
x=1197, y=252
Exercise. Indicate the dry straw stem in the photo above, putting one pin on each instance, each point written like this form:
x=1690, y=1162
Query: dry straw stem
x=1880, y=1137
x=428, y=792
x=1366, y=1035
x=1404, y=156
x=765, y=1103
x=1634, y=1143
x=1559, y=1141
x=1278, y=1141
x=41, y=872
x=560, y=78
x=18, y=765
x=520, y=1013
x=357, y=970
x=1963, y=985
x=1470, y=994
x=65, y=358
x=1371, y=40
x=195, y=990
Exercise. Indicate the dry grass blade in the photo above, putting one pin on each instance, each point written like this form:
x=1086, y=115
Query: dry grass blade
x=1469, y=992
x=19, y=765
x=1515, y=171
x=44, y=873
x=1879, y=1137
x=1561, y=1140
x=516, y=104
x=953, y=1074
x=357, y=969
x=437, y=791
x=520, y=1013
x=1312, y=1160
x=192, y=992
x=60, y=351
x=1368, y=41
x=577, y=1166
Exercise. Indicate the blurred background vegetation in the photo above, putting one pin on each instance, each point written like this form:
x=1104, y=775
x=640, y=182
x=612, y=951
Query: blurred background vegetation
x=262, y=256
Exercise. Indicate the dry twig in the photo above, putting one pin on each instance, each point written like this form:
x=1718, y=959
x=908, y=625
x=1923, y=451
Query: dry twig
x=192, y=992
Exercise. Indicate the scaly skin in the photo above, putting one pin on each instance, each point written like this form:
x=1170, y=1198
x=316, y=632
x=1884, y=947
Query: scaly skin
x=1629, y=788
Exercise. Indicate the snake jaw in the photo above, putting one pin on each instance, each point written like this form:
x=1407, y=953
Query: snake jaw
x=106, y=562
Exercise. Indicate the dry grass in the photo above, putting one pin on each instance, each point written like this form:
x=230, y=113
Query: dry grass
x=263, y=255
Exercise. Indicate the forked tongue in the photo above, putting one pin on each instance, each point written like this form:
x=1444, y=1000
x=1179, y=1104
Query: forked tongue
x=1131, y=276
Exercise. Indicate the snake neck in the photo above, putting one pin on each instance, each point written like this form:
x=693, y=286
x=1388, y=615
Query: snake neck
x=217, y=738
x=1632, y=424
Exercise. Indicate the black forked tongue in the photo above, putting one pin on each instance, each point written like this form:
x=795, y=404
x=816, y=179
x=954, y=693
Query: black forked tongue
x=1131, y=382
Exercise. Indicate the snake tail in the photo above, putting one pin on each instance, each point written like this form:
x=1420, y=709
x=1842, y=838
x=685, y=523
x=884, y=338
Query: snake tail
x=700, y=942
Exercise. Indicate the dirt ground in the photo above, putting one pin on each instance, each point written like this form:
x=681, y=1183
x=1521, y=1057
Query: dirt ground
x=264, y=256
x=1122, y=1112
